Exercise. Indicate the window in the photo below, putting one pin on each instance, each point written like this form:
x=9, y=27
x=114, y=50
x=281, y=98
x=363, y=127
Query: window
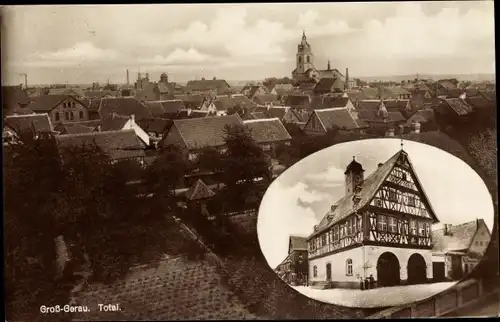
x=413, y=227
x=392, y=195
x=404, y=176
x=266, y=147
x=308, y=59
x=72, y=115
x=57, y=116
x=378, y=203
x=359, y=224
x=353, y=224
x=349, y=228
x=421, y=229
x=323, y=240
x=382, y=223
x=411, y=201
x=336, y=233
x=315, y=271
x=300, y=59
x=81, y=115
x=348, y=267
x=393, y=227
x=477, y=243
x=481, y=243
x=66, y=115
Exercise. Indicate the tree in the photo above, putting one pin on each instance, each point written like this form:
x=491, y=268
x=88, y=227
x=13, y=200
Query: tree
x=209, y=159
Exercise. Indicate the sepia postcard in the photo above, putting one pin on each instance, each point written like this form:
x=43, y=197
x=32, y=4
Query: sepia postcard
x=231, y=161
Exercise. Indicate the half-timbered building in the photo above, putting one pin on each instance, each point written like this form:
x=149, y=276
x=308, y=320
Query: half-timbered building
x=381, y=227
x=293, y=269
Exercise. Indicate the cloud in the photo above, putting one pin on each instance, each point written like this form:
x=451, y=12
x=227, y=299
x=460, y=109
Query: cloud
x=80, y=53
x=330, y=178
x=279, y=217
x=308, y=21
x=178, y=56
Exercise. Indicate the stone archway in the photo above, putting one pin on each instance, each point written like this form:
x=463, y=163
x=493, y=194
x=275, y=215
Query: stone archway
x=417, y=269
x=388, y=270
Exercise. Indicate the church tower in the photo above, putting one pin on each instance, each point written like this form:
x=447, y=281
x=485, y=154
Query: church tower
x=305, y=56
x=354, y=176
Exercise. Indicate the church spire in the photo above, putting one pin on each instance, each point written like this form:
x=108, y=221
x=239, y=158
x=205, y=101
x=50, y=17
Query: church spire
x=303, y=34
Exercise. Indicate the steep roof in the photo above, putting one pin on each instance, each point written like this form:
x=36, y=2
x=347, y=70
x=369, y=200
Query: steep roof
x=259, y=115
x=328, y=102
x=267, y=98
x=29, y=123
x=208, y=84
x=459, y=106
x=98, y=94
x=459, y=239
x=124, y=106
x=479, y=102
x=116, y=144
x=422, y=116
x=368, y=189
x=298, y=243
x=173, y=106
x=277, y=111
x=336, y=117
x=73, y=128
x=155, y=107
x=488, y=94
x=13, y=96
x=250, y=90
x=206, y=131
x=199, y=190
x=175, y=289
x=396, y=104
x=329, y=84
x=300, y=101
x=267, y=130
x=114, y=123
x=369, y=111
x=155, y=125
x=45, y=103
x=75, y=91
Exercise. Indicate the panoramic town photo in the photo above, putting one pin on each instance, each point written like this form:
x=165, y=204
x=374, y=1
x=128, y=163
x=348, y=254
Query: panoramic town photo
x=378, y=222
x=153, y=159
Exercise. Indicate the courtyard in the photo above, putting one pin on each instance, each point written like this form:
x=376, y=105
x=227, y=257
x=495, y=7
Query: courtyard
x=379, y=297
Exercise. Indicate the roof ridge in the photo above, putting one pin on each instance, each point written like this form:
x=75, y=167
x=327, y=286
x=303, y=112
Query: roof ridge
x=95, y=133
x=261, y=120
x=25, y=115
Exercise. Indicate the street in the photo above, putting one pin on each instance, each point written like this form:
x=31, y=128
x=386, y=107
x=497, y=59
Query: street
x=380, y=297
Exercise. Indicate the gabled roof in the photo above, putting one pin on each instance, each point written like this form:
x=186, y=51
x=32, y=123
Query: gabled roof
x=208, y=84
x=368, y=189
x=369, y=111
x=243, y=101
x=479, y=102
x=369, y=104
x=328, y=102
x=300, y=101
x=197, y=133
x=155, y=125
x=396, y=104
x=30, y=123
x=278, y=111
x=199, y=190
x=329, y=84
x=114, y=123
x=124, y=106
x=98, y=94
x=258, y=115
x=155, y=107
x=250, y=90
x=73, y=128
x=13, y=96
x=490, y=95
x=267, y=130
x=459, y=239
x=66, y=91
x=46, y=103
x=458, y=105
x=116, y=144
x=422, y=116
x=336, y=117
x=267, y=98
x=297, y=243
x=94, y=104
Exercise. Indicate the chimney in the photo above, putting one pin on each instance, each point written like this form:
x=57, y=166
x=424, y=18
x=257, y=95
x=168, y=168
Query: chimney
x=132, y=118
x=379, y=165
x=128, y=79
x=98, y=128
x=346, y=85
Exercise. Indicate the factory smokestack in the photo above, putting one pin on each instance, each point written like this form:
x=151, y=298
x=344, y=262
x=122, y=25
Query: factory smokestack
x=128, y=79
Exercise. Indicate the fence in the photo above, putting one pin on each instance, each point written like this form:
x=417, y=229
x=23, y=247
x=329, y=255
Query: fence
x=464, y=293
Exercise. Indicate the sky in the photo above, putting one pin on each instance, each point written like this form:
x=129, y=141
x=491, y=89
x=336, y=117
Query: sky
x=304, y=192
x=85, y=43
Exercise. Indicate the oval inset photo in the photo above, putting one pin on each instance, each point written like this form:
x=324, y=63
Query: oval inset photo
x=375, y=223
